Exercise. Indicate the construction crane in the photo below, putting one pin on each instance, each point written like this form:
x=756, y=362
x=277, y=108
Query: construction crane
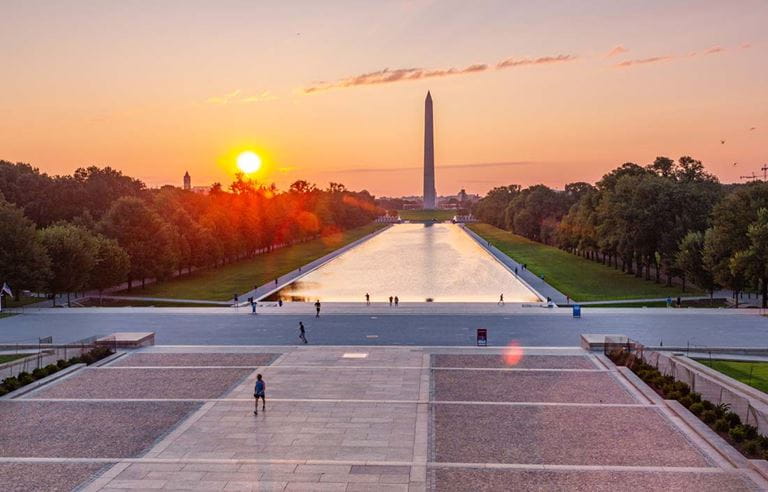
x=749, y=177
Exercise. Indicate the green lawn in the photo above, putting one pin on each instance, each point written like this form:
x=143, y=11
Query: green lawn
x=426, y=214
x=9, y=302
x=579, y=278
x=740, y=371
x=94, y=302
x=704, y=303
x=219, y=284
x=10, y=357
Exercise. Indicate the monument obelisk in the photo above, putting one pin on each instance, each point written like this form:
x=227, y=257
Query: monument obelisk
x=429, y=156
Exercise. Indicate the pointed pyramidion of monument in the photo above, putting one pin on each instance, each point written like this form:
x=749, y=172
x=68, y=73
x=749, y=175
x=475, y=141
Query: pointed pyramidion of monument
x=429, y=156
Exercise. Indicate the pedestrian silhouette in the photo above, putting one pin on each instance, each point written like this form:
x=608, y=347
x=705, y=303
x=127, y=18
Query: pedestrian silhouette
x=397, y=301
x=390, y=301
x=317, y=308
x=367, y=299
x=501, y=299
x=259, y=391
x=302, y=333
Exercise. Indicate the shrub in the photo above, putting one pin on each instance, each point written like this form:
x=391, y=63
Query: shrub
x=11, y=383
x=722, y=425
x=668, y=388
x=721, y=409
x=737, y=433
x=39, y=373
x=51, y=368
x=709, y=416
x=752, y=447
x=3, y=391
x=682, y=387
x=750, y=431
x=733, y=419
x=696, y=408
x=708, y=405
x=25, y=378
x=75, y=360
x=686, y=401
x=674, y=395
x=695, y=396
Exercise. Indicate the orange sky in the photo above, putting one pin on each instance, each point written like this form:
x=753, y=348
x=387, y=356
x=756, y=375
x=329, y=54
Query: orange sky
x=524, y=92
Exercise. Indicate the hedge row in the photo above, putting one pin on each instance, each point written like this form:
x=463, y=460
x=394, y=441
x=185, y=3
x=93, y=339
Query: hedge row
x=24, y=378
x=719, y=417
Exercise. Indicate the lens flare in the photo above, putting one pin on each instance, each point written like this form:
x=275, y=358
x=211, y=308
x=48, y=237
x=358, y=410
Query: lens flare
x=513, y=354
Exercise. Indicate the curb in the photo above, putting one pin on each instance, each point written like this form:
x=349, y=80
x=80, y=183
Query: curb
x=701, y=429
x=108, y=360
x=41, y=382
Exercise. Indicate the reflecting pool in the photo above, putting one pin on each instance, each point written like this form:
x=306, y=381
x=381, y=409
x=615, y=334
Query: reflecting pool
x=415, y=262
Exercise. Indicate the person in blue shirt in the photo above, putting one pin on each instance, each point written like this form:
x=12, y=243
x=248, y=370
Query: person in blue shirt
x=259, y=392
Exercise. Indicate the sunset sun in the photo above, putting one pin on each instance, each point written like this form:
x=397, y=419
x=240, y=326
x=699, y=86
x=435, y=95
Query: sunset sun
x=248, y=162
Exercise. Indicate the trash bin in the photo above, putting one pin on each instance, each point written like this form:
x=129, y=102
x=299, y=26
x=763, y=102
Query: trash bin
x=482, y=337
x=576, y=311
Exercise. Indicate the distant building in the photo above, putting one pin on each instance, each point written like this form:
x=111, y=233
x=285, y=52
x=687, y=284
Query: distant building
x=187, y=181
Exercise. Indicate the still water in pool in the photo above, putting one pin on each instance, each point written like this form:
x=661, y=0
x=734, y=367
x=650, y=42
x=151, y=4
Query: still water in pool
x=415, y=262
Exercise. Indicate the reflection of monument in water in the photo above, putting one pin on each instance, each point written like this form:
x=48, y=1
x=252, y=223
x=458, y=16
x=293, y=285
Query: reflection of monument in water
x=429, y=157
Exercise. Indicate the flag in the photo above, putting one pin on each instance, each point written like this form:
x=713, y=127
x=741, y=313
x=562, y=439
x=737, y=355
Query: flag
x=6, y=289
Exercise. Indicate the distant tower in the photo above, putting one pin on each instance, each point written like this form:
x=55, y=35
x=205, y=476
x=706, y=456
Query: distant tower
x=187, y=181
x=429, y=156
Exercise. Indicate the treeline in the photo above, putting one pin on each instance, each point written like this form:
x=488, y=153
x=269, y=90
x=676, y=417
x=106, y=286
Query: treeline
x=99, y=228
x=667, y=219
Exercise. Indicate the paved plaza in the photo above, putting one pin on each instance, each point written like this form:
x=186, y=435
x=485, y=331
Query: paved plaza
x=353, y=418
x=378, y=325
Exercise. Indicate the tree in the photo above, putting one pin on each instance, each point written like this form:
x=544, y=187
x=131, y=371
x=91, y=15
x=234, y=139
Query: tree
x=144, y=235
x=24, y=263
x=72, y=251
x=111, y=266
x=690, y=261
x=752, y=262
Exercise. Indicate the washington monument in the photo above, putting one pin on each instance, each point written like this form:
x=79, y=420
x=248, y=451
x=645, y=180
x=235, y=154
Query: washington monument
x=429, y=156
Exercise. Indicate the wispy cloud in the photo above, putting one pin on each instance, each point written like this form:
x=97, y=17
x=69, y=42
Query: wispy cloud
x=616, y=50
x=713, y=50
x=745, y=45
x=663, y=58
x=388, y=76
x=544, y=60
x=237, y=97
x=644, y=61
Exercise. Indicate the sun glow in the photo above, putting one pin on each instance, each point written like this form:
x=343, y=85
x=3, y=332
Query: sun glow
x=248, y=162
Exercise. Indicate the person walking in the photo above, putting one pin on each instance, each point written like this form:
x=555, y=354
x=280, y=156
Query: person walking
x=397, y=301
x=259, y=391
x=302, y=333
x=515, y=271
x=317, y=308
x=367, y=299
x=390, y=301
x=275, y=281
x=501, y=299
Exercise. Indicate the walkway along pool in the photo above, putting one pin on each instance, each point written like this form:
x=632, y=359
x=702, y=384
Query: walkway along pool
x=416, y=263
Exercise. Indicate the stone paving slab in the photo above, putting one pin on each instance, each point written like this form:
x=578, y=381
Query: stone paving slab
x=195, y=359
x=299, y=430
x=506, y=386
x=145, y=383
x=325, y=383
x=500, y=361
x=632, y=436
x=472, y=480
x=334, y=356
x=85, y=429
x=50, y=477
